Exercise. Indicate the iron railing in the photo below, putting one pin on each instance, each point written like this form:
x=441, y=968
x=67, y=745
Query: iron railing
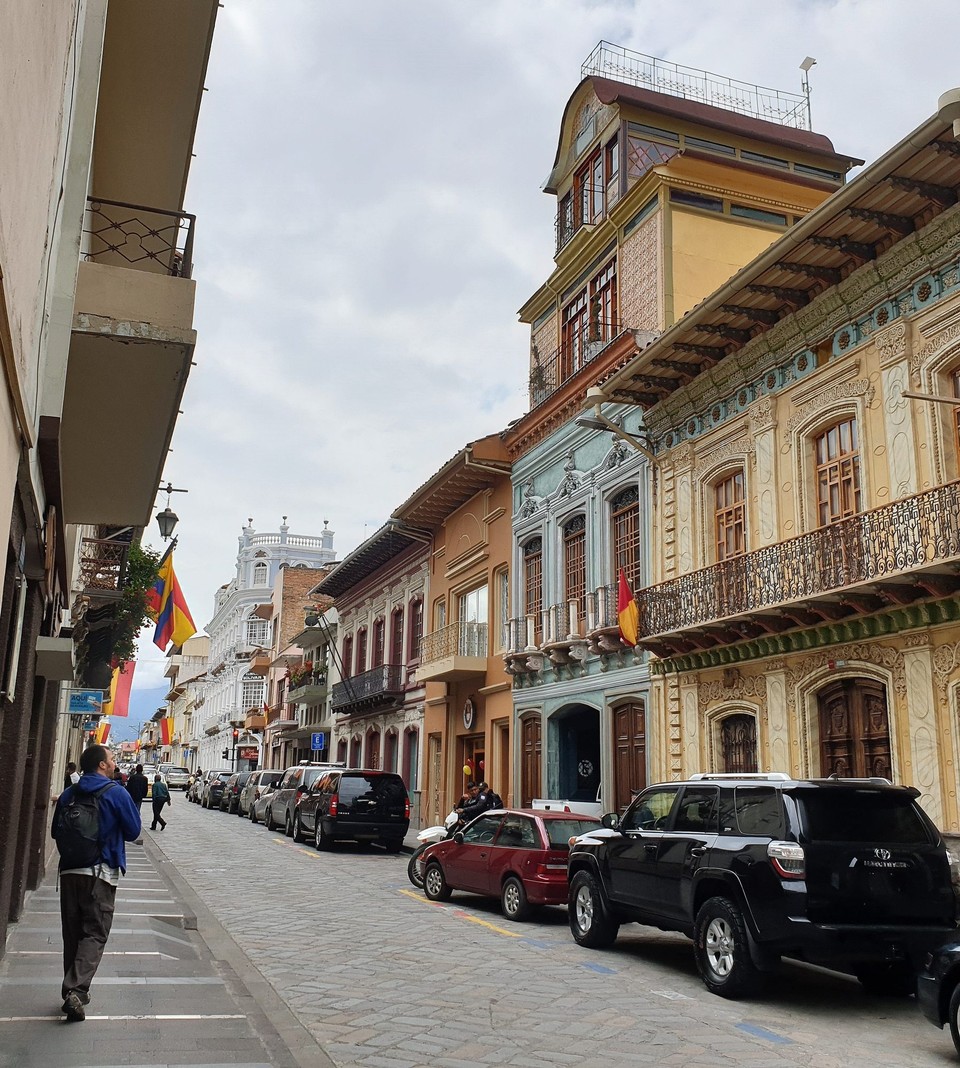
x=624, y=65
x=384, y=682
x=898, y=538
x=587, y=207
x=578, y=349
x=459, y=639
x=103, y=565
x=134, y=235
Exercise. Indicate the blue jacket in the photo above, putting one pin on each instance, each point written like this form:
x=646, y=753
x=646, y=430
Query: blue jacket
x=119, y=817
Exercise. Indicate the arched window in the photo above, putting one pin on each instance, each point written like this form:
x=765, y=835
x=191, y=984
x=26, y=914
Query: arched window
x=372, y=757
x=260, y=572
x=416, y=629
x=342, y=751
x=837, y=452
x=575, y=563
x=361, y=650
x=347, y=656
x=355, y=752
x=378, y=643
x=411, y=754
x=533, y=581
x=396, y=642
x=729, y=526
x=738, y=744
x=390, y=751
x=625, y=535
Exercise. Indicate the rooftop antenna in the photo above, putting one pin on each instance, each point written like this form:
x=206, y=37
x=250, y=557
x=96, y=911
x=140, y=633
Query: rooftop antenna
x=805, y=85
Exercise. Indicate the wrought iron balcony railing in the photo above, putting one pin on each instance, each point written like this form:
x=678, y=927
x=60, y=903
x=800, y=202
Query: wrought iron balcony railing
x=459, y=639
x=379, y=685
x=587, y=208
x=881, y=545
x=103, y=567
x=578, y=349
x=133, y=235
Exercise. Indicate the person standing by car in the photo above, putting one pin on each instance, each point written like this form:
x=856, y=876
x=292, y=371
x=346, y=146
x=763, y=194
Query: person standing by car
x=160, y=796
x=88, y=893
x=137, y=785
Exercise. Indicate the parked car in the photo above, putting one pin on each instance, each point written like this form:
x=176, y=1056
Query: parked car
x=938, y=987
x=175, y=776
x=355, y=805
x=296, y=781
x=195, y=788
x=846, y=873
x=260, y=785
x=518, y=855
x=213, y=786
x=230, y=799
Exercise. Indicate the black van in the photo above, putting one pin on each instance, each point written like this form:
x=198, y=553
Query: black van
x=356, y=805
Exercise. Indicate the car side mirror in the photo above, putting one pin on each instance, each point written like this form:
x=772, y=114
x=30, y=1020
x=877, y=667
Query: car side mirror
x=458, y=837
x=611, y=820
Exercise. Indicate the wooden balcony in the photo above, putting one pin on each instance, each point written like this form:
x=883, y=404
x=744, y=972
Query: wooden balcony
x=455, y=652
x=254, y=720
x=895, y=555
x=103, y=567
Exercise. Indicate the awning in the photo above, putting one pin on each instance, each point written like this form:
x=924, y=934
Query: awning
x=282, y=724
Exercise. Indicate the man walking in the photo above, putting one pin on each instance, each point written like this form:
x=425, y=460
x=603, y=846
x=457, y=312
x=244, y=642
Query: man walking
x=88, y=892
x=137, y=785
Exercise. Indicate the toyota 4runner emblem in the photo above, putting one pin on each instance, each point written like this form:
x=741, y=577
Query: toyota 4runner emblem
x=882, y=854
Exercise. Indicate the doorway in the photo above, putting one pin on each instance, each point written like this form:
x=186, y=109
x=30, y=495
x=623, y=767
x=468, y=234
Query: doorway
x=630, y=758
x=576, y=742
x=854, y=729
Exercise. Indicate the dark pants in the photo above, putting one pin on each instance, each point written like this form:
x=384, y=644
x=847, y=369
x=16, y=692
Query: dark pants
x=86, y=915
x=157, y=818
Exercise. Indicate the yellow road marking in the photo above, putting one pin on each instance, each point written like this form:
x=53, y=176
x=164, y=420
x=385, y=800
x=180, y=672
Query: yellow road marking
x=460, y=914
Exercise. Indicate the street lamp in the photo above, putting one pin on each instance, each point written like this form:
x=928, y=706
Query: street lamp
x=168, y=518
x=805, y=85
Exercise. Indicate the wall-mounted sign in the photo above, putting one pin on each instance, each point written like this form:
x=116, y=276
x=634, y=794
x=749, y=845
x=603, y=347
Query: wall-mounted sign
x=469, y=714
x=84, y=702
x=248, y=752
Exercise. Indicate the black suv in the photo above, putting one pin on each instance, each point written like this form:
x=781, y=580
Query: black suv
x=355, y=805
x=847, y=873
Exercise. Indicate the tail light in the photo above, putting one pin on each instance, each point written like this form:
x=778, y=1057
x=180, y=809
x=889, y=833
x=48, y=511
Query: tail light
x=552, y=865
x=334, y=801
x=406, y=808
x=787, y=859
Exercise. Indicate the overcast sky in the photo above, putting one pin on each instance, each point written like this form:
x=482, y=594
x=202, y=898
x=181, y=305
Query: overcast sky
x=369, y=218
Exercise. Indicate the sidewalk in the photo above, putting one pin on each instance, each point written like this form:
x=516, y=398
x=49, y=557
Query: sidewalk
x=173, y=987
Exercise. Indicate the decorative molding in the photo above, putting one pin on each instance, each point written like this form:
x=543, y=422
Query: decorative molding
x=892, y=343
x=531, y=502
x=945, y=659
x=763, y=415
x=571, y=480
x=860, y=387
x=740, y=449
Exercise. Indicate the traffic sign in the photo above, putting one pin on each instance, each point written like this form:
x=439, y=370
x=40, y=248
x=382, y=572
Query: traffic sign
x=318, y=741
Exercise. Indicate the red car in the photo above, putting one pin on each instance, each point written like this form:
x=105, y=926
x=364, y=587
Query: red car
x=518, y=855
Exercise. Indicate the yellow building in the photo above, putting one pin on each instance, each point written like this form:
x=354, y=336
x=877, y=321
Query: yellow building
x=804, y=603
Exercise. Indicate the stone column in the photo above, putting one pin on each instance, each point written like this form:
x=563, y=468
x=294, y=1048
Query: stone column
x=893, y=347
x=917, y=732
x=775, y=734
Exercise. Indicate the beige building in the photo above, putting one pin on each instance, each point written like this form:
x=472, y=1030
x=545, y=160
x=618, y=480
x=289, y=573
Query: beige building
x=805, y=605
x=96, y=343
x=186, y=671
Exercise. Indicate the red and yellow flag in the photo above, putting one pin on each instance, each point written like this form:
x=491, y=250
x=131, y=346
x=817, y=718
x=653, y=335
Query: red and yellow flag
x=118, y=703
x=102, y=732
x=628, y=614
x=166, y=730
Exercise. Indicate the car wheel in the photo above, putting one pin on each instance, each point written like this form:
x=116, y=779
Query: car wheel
x=253, y=813
x=271, y=822
x=434, y=884
x=392, y=845
x=954, y=1016
x=721, y=949
x=288, y=826
x=297, y=833
x=590, y=923
x=415, y=868
x=321, y=840
x=890, y=980
x=513, y=899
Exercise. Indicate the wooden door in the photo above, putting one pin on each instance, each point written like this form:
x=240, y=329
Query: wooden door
x=630, y=756
x=854, y=729
x=530, y=760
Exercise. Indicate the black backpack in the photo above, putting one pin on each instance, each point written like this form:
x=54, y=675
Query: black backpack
x=76, y=829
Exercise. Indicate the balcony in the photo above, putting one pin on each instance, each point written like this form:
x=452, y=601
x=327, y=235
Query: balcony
x=255, y=719
x=378, y=688
x=311, y=689
x=890, y=556
x=259, y=663
x=575, y=213
x=580, y=348
x=103, y=567
x=453, y=653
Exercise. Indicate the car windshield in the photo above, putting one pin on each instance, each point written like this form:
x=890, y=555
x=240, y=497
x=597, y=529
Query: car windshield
x=861, y=816
x=559, y=832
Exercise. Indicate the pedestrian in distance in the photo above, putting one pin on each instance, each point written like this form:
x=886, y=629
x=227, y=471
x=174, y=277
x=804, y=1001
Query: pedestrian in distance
x=137, y=785
x=160, y=796
x=92, y=822
x=71, y=776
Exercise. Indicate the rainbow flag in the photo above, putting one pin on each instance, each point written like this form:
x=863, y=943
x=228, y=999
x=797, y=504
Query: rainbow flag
x=118, y=703
x=166, y=730
x=174, y=622
x=628, y=614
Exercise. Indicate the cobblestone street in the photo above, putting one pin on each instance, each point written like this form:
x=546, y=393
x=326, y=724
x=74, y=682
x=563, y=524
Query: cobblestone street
x=382, y=977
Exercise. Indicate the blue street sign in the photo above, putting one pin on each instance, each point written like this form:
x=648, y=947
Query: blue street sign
x=91, y=726
x=318, y=741
x=84, y=702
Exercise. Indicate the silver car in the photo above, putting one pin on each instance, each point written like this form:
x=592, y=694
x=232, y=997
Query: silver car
x=258, y=793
